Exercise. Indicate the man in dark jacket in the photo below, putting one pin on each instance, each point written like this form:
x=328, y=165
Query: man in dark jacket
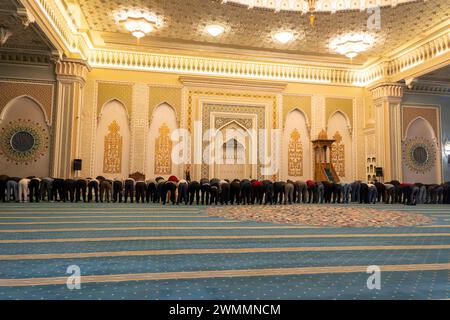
x=81, y=187
x=70, y=186
x=278, y=191
x=246, y=191
x=235, y=191
x=205, y=188
x=194, y=191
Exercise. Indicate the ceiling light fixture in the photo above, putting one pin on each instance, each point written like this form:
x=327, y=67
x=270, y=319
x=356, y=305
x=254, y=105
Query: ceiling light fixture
x=350, y=45
x=215, y=29
x=139, y=22
x=284, y=36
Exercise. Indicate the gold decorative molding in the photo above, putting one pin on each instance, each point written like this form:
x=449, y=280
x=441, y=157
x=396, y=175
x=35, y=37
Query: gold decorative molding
x=232, y=84
x=112, y=155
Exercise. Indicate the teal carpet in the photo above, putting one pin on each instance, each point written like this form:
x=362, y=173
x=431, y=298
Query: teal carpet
x=135, y=251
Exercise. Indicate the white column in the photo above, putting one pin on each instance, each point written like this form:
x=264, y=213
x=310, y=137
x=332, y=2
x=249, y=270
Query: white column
x=71, y=77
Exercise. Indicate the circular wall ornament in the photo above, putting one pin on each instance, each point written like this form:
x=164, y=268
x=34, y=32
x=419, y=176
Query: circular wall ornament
x=419, y=154
x=23, y=141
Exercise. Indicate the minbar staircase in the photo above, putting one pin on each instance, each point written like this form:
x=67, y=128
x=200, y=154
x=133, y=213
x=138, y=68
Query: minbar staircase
x=325, y=172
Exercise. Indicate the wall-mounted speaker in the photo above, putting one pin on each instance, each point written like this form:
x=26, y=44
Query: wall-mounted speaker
x=379, y=171
x=77, y=164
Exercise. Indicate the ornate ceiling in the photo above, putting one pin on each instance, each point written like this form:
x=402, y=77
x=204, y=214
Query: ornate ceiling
x=251, y=30
x=24, y=38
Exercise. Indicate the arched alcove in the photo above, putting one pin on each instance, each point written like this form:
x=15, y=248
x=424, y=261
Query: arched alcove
x=338, y=128
x=420, y=153
x=233, y=152
x=296, y=147
x=159, y=150
x=113, y=139
x=24, y=138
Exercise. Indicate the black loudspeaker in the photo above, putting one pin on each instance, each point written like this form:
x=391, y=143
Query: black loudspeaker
x=77, y=165
x=379, y=171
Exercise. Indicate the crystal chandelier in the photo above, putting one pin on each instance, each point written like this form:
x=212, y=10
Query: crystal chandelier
x=350, y=45
x=316, y=5
x=139, y=22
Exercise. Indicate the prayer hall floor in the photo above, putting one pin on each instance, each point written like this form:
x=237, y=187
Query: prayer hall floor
x=136, y=251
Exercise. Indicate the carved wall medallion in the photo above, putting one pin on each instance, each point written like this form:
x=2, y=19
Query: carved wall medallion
x=163, y=151
x=338, y=155
x=23, y=141
x=419, y=154
x=112, y=160
x=295, y=155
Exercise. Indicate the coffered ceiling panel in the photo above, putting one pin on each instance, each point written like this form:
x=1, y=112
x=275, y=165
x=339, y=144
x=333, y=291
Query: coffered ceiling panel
x=252, y=29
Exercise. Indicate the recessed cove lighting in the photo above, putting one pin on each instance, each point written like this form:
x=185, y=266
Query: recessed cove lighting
x=284, y=36
x=215, y=29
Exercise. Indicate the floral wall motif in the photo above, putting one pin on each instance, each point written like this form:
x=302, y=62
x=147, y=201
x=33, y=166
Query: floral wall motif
x=112, y=158
x=338, y=155
x=23, y=141
x=163, y=151
x=295, y=155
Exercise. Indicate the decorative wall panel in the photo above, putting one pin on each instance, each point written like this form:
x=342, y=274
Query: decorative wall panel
x=295, y=155
x=112, y=159
x=163, y=151
x=338, y=155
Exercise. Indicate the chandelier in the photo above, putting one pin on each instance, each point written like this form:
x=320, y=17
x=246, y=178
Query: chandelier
x=350, y=45
x=139, y=22
x=305, y=6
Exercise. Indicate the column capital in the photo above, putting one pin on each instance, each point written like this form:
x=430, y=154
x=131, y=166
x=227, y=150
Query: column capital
x=72, y=70
x=388, y=91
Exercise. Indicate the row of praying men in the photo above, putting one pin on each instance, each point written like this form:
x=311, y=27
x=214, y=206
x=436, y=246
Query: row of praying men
x=215, y=191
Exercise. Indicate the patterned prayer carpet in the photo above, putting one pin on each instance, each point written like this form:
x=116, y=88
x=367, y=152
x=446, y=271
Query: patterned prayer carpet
x=136, y=251
x=323, y=215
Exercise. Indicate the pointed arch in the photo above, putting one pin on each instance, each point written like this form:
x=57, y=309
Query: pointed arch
x=14, y=100
x=345, y=115
x=107, y=103
x=418, y=118
x=296, y=109
x=162, y=104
